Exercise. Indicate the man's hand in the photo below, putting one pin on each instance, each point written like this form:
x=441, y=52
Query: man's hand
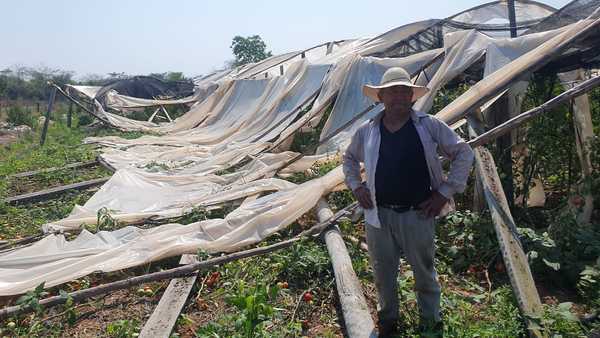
x=363, y=196
x=432, y=206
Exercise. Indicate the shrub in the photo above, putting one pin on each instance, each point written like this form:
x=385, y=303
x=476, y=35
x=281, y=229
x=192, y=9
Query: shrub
x=18, y=115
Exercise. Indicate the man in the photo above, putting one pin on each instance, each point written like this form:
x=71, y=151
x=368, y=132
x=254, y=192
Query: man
x=404, y=190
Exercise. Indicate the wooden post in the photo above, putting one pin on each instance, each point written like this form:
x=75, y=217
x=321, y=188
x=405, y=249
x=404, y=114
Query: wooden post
x=357, y=317
x=512, y=18
x=513, y=255
x=70, y=115
x=166, y=113
x=47, y=120
x=164, y=317
x=499, y=114
x=584, y=133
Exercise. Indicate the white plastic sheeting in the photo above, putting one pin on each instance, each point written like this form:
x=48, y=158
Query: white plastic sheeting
x=351, y=101
x=522, y=66
x=54, y=260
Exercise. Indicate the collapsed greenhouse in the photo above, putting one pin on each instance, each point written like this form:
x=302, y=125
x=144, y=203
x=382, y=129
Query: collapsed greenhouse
x=233, y=145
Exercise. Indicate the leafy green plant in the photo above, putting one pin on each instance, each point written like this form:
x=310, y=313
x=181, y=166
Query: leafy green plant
x=123, y=329
x=254, y=306
x=105, y=221
x=466, y=238
x=18, y=115
x=70, y=312
x=32, y=298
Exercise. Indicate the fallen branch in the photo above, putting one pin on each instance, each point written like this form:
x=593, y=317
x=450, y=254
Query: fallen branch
x=183, y=271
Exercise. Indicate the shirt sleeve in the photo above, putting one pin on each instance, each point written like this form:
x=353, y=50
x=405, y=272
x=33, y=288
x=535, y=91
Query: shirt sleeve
x=352, y=158
x=460, y=154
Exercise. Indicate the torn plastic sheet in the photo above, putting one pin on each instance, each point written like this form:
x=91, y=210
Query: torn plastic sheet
x=133, y=195
x=350, y=100
x=522, y=66
x=54, y=260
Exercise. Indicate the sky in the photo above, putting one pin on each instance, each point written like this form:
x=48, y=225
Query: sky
x=193, y=37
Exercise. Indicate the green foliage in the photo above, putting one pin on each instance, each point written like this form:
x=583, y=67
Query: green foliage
x=248, y=49
x=30, y=83
x=466, y=239
x=63, y=146
x=318, y=169
x=588, y=285
x=500, y=316
x=32, y=298
x=560, y=321
x=71, y=313
x=253, y=306
x=565, y=251
x=105, y=221
x=18, y=115
x=123, y=329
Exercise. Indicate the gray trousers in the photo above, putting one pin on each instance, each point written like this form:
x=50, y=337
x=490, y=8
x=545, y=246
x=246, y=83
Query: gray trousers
x=412, y=234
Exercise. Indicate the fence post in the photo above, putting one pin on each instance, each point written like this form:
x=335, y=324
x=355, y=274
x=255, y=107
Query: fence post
x=70, y=114
x=47, y=120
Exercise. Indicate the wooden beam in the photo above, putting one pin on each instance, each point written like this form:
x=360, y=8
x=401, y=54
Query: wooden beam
x=163, y=319
x=584, y=133
x=513, y=255
x=76, y=165
x=166, y=113
x=46, y=194
x=153, y=115
x=357, y=318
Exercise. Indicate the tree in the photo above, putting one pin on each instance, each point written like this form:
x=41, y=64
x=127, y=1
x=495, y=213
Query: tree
x=249, y=49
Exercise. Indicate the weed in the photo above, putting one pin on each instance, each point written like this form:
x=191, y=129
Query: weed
x=123, y=329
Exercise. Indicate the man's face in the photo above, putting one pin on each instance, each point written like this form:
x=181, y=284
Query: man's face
x=396, y=97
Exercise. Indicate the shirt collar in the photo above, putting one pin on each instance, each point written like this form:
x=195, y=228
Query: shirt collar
x=415, y=115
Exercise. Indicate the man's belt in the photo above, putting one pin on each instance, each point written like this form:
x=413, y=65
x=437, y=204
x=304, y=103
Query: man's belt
x=399, y=207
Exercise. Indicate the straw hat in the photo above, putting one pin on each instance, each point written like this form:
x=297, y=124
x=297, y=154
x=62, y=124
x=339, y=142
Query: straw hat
x=394, y=76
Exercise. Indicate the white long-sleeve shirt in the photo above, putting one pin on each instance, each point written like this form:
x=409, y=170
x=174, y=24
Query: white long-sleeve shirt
x=434, y=135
